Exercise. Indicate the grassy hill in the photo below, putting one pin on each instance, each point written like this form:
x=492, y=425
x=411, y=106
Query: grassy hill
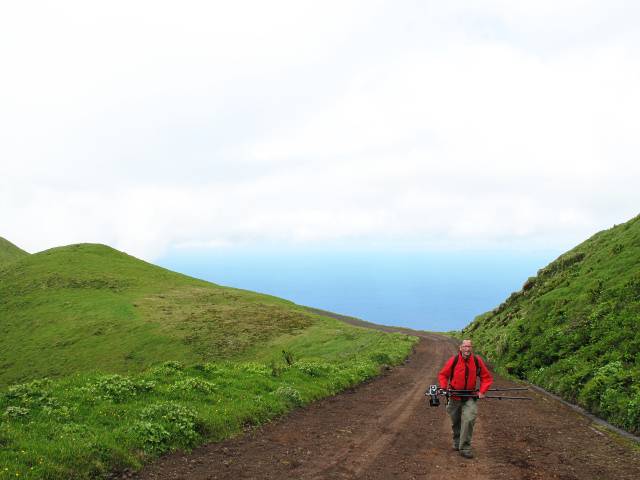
x=86, y=307
x=121, y=361
x=9, y=252
x=574, y=329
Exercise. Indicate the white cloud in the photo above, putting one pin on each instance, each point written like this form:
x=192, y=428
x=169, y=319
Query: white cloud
x=473, y=123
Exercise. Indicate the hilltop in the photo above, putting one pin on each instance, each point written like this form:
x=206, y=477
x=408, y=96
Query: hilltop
x=574, y=327
x=9, y=252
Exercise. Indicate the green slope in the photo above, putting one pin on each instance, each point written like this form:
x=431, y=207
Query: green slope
x=575, y=327
x=86, y=307
x=143, y=361
x=9, y=252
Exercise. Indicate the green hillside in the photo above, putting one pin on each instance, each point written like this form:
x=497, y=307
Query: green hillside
x=121, y=361
x=86, y=307
x=9, y=252
x=574, y=329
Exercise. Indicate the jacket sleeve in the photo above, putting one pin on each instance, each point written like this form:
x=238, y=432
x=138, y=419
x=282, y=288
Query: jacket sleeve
x=443, y=376
x=486, y=379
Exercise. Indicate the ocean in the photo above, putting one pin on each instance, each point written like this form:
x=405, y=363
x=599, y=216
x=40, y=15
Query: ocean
x=437, y=291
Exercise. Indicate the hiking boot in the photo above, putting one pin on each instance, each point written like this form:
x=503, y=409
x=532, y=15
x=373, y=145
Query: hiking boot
x=466, y=453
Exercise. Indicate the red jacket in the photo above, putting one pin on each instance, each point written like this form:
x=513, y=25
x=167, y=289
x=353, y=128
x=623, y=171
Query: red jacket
x=465, y=376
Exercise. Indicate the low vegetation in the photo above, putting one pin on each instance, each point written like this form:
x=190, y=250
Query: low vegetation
x=574, y=329
x=109, y=361
x=90, y=425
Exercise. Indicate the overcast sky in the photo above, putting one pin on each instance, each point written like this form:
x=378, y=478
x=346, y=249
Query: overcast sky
x=155, y=125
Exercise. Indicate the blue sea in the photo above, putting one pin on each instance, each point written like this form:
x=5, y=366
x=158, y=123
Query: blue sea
x=436, y=291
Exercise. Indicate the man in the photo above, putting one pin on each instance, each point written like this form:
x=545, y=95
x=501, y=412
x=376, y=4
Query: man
x=461, y=372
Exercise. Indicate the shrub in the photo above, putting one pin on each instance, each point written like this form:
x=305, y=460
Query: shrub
x=632, y=421
x=362, y=370
x=314, y=368
x=381, y=358
x=117, y=388
x=288, y=357
x=212, y=368
x=32, y=394
x=153, y=437
x=277, y=369
x=167, y=369
x=181, y=422
x=289, y=395
x=62, y=413
x=613, y=405
x=599, y=392
x=193, y=384
x=254, y=367
x=530, y=283
x=112, y=387
x=16, y=412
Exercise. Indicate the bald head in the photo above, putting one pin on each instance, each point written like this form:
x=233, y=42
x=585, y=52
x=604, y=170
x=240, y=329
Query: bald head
x=466, y=348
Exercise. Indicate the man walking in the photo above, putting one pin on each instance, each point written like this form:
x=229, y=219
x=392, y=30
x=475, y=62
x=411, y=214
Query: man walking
x=461, y=372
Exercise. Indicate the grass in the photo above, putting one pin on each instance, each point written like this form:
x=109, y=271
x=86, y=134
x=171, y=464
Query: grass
x=9, y=252
x=83, y=307
x=109, y=361
x=91, y=425
x=574, y=328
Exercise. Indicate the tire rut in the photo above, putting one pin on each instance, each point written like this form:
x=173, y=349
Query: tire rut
x=392, y=422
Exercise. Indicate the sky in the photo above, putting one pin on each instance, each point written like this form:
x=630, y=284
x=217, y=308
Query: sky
x=158, y=127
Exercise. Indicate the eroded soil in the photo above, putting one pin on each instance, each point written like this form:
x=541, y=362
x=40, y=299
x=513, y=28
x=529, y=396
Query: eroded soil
x=385, y=429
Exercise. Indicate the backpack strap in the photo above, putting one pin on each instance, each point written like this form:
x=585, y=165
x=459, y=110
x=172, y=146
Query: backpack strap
x=455, y=362
x=453, y=367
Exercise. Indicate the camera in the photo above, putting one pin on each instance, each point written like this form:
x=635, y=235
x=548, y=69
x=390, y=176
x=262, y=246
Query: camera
x=433, y=392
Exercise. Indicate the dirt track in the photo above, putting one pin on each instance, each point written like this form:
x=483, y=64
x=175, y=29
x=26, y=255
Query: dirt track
x=385, y=429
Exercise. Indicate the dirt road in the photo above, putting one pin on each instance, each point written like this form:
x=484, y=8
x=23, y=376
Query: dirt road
x=385, y=429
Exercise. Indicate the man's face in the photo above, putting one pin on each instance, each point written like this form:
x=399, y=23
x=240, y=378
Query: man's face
x=466, y=349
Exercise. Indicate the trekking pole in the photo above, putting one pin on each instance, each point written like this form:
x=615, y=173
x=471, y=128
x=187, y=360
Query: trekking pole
x=501, y=397
x=507, y=389
x=474, y=393
x=434, y=392
x=510, y=389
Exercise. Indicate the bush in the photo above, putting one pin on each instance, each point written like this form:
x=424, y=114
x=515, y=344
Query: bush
x=32, y=394
x=277, y=369
x=254, y=367
x=288, y=357
x=153, y=437
x=179, y=421
x=289, y=395
x=16, y=412
x=314, y=368
x=599, y=394
x=632, y=420
x=193, y=384
x=381, y=358
x=167, y=369
x=117, y=388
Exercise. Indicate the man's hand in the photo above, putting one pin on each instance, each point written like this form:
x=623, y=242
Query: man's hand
x=480, y=395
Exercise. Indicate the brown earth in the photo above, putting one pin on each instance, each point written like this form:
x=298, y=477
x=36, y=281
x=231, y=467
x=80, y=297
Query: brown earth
x=385, y=429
